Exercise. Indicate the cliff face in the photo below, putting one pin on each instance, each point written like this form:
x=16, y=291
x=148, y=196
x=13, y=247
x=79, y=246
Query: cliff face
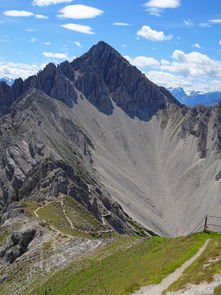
x=97, y=129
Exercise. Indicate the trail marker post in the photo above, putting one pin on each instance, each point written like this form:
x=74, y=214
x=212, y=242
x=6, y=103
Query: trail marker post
x=205, y=224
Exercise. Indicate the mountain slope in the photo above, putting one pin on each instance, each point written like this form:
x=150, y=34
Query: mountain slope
x=196, y=98
x=97, y=127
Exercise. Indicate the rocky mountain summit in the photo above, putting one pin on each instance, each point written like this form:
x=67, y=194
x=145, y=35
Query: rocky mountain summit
x=98, y=130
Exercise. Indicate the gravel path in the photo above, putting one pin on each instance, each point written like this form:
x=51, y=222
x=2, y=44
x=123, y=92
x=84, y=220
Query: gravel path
x=170, y=279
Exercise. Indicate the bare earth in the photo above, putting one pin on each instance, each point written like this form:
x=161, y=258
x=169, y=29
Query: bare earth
x=156, y=175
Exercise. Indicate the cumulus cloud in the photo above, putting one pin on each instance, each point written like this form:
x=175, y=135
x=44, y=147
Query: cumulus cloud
x=170, y=80
x=41, y=16
x=47, y=43
x=152, y=35
x=121, y=24
x=197, y=45
x=194, y=65
x=167, y=79
x=79, y=28
x=56, y=55
x=143, y=61
x=18, y=13
x=15, y=70
x=219, y=42
x=189, y=70
x=155, y=7
x=188, y=22
x=49, y=2
x=79, y=12
x=78, y=44
x=215, y=21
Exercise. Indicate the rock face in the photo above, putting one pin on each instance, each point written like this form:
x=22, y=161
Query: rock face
x=16, y=245
x=98, y=130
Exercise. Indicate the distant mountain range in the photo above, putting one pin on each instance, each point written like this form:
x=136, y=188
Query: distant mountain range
x=195, y=97
x=7, y=80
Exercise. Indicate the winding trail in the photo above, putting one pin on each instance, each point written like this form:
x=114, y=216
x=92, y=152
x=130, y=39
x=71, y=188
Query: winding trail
x=171, y=278
x=51, y=226
x=61, y=202
x=65, y=214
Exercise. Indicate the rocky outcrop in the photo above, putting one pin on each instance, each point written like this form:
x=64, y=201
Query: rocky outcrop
x=97, y=125
x=16, y=245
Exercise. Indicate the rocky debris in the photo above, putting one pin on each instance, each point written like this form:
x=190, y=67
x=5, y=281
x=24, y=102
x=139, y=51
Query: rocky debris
x=16, y=245
x=51, y=133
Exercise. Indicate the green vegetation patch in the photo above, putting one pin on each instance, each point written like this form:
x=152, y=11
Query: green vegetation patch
x=47, y=245
x=123, y=267
x=205, y=267
x=82, y=219
x=217, y=290
x=69, y=217
x=30, y=207
x=3, y=236
x=53, y=215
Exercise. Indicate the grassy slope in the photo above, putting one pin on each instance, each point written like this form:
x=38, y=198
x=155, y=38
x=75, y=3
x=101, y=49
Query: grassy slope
x=204, y=268
x=123, y=266
x=82, y=219
x=217, y=291
x=53, y=215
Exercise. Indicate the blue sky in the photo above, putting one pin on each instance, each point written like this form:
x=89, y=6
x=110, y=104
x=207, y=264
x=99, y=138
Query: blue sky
x=174, y=42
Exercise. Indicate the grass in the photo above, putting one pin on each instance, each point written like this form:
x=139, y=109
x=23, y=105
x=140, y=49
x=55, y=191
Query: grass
x=204, y=268
x=30, y=207
x=82, y=220
x=47, y=245
x=3, y=237
x=123, y=266
x=217, y=290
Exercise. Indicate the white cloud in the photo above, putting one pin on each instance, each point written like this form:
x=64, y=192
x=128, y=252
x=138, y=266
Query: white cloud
x=78, y=44
x=47, y=43
x=168, y=80
x=23, y=13
x=33, y=40
x=15, y=70
x=219, y=42
x=152, y=35
x=215, y=21
x=56, y=55
x=30, y=30
x=189, y=70
x=205, y=25
x=142, y=61
x=79, y=28
x=79, y=12
x=18, y=13
x=41, y=16
x=193, y=65
x=188, y=22
x=155, y=7
x=49, y=2
x=196, y=45
x=121, y=24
